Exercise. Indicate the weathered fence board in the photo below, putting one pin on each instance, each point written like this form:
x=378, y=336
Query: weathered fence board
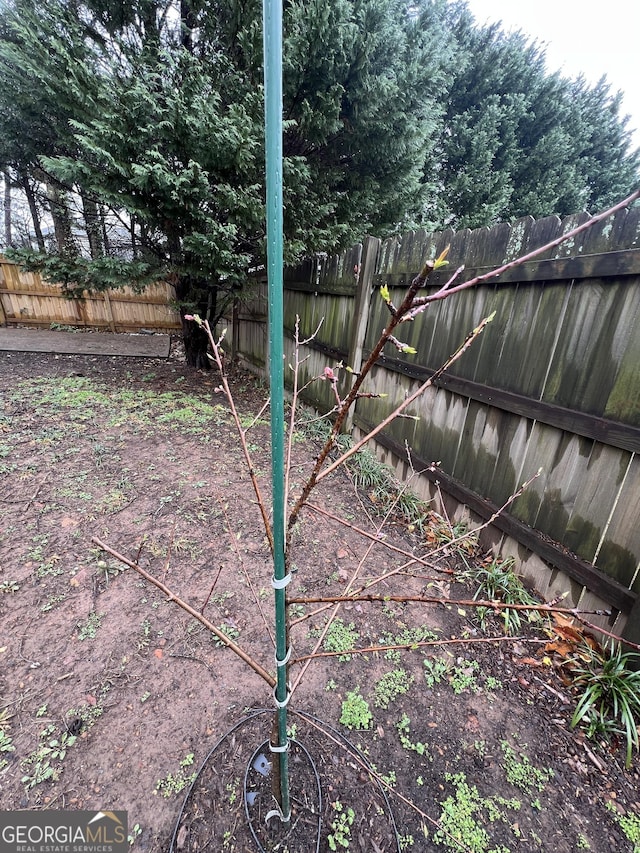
x=27, y=300
x=553, y=383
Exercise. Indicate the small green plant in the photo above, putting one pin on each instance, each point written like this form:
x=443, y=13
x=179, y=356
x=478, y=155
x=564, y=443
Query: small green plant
x=9, y=586
x=109, y=568
x=436, y=670
x=464, y=676
x=136, y=830
x=403, y=727
x=175, y=784
x=390, y=686
x=409, y=637
x=608, y=681
x=232, y=790
x=88, y=629
x=498, y=582
x=296, y=611
x=521, y=772
x=492, y=684
x=143, y=642
x=38, y=765
x=229, y=631
x=6, y=744
x=629, y=824
x=88, y=714
x=355, y=711
x=340, y=835
x=51, y=602
x=341, y=638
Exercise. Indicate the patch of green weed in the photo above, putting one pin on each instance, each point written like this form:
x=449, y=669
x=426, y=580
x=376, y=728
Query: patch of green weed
x=88, y=629
x=465, y=814
x=436, y=670
x=341, y=638
x=355, y=711
x=38, y=765
x=229, y=631
x=498, y=582
x=390, y=686
x=409, y=637
x=52, y=602
x=629, y=824
x=174, y=784
x=340, y=835
x=521, y=772
x=403, y=727
x=464, y=676
x=6, y=743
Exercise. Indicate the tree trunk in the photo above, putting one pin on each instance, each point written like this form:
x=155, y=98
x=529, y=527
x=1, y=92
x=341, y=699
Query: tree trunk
x=61, y=216
x=105, y=233
x=187, y=23
x=93, y=227
x=33, y=209
x=200, y=300
x=6, y=205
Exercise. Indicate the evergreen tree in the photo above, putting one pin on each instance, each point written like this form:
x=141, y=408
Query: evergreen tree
x=519, y=141
x=166, y=128
x=150, y=113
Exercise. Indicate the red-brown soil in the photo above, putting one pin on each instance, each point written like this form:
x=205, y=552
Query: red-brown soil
x=143, y=456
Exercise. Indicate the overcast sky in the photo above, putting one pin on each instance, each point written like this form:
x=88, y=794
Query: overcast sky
x=579, y=36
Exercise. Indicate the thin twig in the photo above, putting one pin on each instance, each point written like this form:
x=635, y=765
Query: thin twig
x=256, y=598
x=352, y=396
x=564, y=699
x=36, y=493
x=453, y=641
x=447, y=291
x=464, y=602
x=374, y=537
x=171, y=596
x=335, y=609
x=240, y=430
x=382, y=782
x=213, y=586
x=471, y=337
x=604, y=631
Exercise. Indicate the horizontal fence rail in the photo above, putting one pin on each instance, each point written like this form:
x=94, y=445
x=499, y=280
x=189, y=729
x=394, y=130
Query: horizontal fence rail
x=553, y=383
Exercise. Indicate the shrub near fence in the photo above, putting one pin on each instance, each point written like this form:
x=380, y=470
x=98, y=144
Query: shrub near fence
x=553, y=383
x=27, y=300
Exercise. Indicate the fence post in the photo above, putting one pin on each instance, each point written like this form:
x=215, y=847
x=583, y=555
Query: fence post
x=107, y=303
x=362, y=303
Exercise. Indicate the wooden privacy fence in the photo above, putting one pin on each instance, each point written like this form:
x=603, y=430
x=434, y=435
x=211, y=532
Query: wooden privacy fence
x=27, y=300
x=553, y=383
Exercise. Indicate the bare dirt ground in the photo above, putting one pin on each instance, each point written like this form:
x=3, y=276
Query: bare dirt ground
x=112, y=697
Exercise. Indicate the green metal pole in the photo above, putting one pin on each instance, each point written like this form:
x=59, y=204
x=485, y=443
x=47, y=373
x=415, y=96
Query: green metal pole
x=272, y=39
